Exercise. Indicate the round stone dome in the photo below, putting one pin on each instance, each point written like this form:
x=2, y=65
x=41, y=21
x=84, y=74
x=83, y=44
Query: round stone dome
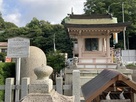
x=36, y=58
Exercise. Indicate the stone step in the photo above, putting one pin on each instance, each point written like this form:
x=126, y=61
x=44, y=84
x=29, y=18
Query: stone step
x=97, y=65
x=95, y=60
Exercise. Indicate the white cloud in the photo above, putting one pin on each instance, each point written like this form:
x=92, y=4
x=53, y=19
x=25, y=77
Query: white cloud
x=13, y=17
x=50, y=10
x=1, y=3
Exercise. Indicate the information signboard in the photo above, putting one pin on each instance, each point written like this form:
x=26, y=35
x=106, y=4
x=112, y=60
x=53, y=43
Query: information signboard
x=18, y=47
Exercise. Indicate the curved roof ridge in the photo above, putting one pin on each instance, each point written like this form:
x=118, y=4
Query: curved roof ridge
x=91, y=16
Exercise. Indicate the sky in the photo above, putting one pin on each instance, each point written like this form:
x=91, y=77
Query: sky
x=21, y=12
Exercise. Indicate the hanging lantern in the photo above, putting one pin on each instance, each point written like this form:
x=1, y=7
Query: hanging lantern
x=115, y=38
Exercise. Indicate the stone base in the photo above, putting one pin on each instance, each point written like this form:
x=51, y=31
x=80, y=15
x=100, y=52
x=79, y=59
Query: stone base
x=53, y=96
x=126, y=100
x=41, y=86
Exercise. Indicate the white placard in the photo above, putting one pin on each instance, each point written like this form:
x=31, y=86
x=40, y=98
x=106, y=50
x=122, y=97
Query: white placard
x=18, y=47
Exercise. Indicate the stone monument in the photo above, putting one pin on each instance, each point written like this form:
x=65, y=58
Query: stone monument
x=41, y=89
x=36, y=58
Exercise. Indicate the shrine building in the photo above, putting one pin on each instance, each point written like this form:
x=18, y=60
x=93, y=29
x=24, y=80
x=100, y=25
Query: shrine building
x=91, y=37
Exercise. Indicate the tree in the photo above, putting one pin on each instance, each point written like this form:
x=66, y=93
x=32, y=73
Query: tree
x=6, y=70
x=2, y=56
x=114, y=7
x=41, y=34
x=2, y=24
x=34, y=23
x=9, y=25
x=95, y=6
x=62, y=40
x=9, y=33
x=57, y=61
x=5, y=25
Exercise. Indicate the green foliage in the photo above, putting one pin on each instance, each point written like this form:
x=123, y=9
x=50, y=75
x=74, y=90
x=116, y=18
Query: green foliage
x=63, y=43
x=131, y=66
x=5, y=25
x=41, y=34
x=6, y=70
x=95, y=6
x=9, y=25
x=34, y=23
x=120, y=44
x=9, y=33
x=2, y=56
x=2, y=24
x=56, y=60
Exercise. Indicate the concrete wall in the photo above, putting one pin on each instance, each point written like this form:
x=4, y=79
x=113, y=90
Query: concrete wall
x=128, y=56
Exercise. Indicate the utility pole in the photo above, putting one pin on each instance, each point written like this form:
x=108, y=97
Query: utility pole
x=124, y=35
x=54, y=43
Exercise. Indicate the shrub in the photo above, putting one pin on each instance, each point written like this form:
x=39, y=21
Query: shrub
x=131, y=65
x=2, y=57
x=57, y=61
x=6, y=70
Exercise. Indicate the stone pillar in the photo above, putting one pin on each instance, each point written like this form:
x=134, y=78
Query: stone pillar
x=25, y=86
x=59, y=85
x=36, y=58
x=8, y=90
x=41, y=90
x=76, y=85
x=43, y=84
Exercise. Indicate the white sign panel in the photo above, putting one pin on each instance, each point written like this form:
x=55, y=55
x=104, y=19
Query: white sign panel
x=18, y=47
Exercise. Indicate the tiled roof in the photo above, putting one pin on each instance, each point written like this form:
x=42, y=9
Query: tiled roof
x=97, y=25
x=100, y=80
x=95, y=86
x=92, y=16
